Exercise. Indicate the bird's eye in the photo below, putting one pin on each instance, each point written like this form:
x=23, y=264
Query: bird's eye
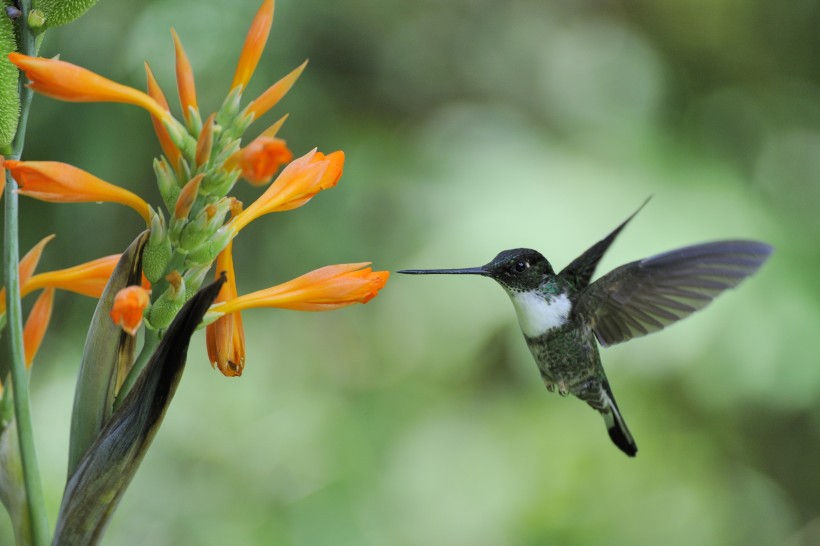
x=521, y=266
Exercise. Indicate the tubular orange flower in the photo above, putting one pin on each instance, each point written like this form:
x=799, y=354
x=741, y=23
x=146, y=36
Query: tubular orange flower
x=154, y=91
x=129, y=305
x=296, y=185
x=254, y=44
x=65, y=81
x=274, y=93
x=185, y=78
x=225, y=338
x=63, y=183
x=326, y=288
x=36, y=324
x=88, y=279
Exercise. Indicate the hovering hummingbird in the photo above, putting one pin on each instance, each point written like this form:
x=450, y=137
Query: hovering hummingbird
x=561, y=315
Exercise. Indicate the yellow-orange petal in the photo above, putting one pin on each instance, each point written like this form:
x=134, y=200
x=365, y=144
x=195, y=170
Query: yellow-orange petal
x=254, y=44
x=63, y=183
x=261, y=159
x=225, y=338
x=36, y=324
x=274, y=93
x=154, y=91
x=69, y=82
x=129, y=305
x=88, y=279
x=296, y=185
x=185, y=78
x=326, y=288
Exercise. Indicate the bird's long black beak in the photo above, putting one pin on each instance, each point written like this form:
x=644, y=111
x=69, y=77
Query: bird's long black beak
x=462, y=271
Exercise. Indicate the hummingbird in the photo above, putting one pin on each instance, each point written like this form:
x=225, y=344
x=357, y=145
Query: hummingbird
x=563, y=315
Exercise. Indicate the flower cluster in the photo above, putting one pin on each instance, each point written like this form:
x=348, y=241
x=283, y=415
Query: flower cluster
x=202, y=161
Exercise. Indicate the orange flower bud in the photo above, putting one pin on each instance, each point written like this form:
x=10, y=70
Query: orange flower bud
x=254, y=44
x=185, y=78
x=261, y=159
x=168, y=147
x=129, y=305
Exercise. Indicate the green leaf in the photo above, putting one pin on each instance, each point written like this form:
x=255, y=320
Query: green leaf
x=9, y=92
x=60, y=12
x=107, y=357
x=95, y=488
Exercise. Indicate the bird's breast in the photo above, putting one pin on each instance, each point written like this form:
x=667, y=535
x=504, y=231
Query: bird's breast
x=538, y=314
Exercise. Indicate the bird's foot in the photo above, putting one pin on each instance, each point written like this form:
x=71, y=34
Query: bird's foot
x=562, y=388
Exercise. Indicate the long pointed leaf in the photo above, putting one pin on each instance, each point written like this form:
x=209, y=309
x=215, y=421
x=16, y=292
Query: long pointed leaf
x=108, y=350
x=96, y=487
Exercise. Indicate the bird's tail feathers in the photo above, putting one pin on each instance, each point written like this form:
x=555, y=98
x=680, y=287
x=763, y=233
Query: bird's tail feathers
x=615, y=424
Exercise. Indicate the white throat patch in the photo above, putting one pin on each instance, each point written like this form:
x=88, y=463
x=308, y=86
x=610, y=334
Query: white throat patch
x=537, y=315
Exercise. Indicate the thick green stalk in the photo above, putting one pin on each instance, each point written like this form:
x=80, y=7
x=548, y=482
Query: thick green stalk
x=19, y=374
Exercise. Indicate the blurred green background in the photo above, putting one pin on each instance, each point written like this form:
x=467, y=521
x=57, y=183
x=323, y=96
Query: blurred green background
x=471, y=126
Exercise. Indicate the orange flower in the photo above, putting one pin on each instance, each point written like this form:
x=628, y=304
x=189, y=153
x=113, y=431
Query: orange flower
x=63, y=183
x=296, y=185
x=260, y=159
x=129, y=305
x=225, y=338
x=185, y=78
x=254, y=44
x=65, y=81
x=168, y=147
x=326, y=288
x=274, y=93
x=88, y=279
x=36, y=324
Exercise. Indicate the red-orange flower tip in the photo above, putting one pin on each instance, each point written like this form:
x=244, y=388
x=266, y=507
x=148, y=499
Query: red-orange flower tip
x=129, y=306
x=254, y=44
x=69, y=82
x=63, y=183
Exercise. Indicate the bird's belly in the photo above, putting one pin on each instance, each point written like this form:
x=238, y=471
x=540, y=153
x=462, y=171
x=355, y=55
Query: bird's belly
x=565, y=358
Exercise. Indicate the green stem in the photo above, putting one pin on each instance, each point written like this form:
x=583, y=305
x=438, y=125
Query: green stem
x=19, y=374
x=152, y=338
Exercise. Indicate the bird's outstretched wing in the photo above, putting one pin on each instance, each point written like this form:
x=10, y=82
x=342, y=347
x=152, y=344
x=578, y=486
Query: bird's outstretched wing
x=647, y=295
x=580, y=271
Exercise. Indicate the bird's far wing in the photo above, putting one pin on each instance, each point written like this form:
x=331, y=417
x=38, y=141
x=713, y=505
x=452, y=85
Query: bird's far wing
x=647, y=295
x=580, y=271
